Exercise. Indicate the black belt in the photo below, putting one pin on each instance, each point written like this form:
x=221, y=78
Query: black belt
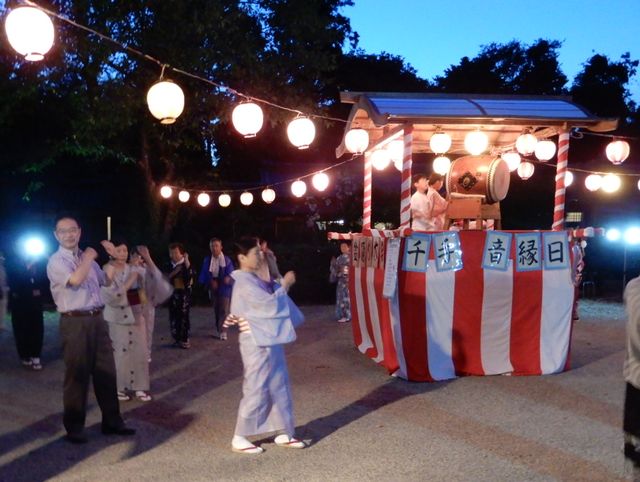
x=93, y=312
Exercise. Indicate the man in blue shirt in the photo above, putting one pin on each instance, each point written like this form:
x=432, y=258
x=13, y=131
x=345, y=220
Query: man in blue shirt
x=215, y=275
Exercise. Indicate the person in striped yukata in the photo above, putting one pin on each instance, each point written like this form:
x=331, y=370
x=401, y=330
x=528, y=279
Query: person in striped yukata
x=266, y=318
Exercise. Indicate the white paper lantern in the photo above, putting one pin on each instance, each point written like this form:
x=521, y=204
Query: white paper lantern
x=184, y=196
x=441, y=165
x=247, y=118
x=398, y=164
x=638, y=185
x=268, y=195
x=380, y=159
x=617, y=151
x=568, y=178
x=396, y=150
x=476, y=142
x=320, y=181
x=440, y=142
x=166, y=192
x=545, y=150
x=166, y=101
x=298, y=188
x=525, y=170
x=246, y=198
x=204, y=199
x=224, y=200
x=301, y=132
x=593, y=182
x=356, y=141
x=30, y=32
x=611, y=183
x=526, y=144
x=512, y=159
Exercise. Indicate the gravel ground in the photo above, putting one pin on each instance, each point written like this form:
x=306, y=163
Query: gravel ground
x=361, y=424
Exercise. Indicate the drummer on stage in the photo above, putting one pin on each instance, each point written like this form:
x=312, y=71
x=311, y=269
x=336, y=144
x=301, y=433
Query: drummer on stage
x=428, y=207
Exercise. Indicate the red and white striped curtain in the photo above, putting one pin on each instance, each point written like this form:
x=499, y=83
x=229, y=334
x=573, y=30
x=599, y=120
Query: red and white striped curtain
x=440, y=325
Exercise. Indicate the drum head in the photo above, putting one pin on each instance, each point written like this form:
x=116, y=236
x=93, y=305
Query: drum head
x=499, y=179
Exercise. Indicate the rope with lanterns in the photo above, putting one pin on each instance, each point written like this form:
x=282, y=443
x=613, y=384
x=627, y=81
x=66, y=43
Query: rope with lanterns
x=31, y=33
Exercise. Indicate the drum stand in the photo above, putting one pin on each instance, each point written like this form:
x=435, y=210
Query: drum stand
x=471, y=209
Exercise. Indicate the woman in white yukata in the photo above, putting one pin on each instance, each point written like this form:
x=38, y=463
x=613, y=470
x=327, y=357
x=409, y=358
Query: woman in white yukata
x=156, y=287
x=125, y=300
x=266, y=317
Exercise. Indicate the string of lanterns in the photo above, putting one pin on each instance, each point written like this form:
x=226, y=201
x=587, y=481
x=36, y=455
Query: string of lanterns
x=31, y=33
x=320, y=181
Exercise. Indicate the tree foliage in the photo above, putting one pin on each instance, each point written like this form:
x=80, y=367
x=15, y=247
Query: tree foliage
x=511, y=68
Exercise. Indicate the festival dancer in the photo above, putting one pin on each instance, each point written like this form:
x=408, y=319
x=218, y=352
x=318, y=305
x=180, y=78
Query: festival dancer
x=266, y=317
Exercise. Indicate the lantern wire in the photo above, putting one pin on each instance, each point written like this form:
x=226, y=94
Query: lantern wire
x=164, y=66
x=272, y=184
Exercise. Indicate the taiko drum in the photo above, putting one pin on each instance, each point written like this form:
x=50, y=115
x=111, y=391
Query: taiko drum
x=487, y=176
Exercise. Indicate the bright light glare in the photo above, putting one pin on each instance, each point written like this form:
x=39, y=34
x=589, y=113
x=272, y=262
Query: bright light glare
x=34, y=247
x=613, y=234
x=632, y=235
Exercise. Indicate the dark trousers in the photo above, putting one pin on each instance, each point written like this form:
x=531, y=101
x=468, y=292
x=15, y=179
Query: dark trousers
x=179, y=308
x=88, y=355
x=220, y=310
x=28, y=329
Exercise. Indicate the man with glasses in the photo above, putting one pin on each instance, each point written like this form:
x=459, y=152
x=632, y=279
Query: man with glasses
x=75, y=280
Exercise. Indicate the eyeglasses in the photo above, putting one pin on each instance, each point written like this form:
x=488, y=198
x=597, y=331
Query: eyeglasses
x=68, y=231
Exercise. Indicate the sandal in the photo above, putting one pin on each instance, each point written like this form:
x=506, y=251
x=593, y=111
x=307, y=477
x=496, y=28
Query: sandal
x=252, y=449
x=291, y=443
x=143, y=396
x=35, y=364
x=123, y=397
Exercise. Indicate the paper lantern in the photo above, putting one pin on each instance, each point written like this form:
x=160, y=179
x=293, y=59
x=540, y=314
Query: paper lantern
x=268, y=195
x=396, y=150
x=30, y=32
x=525, y=170
x=512, y=159
x=638, y=185
x=224, y=200
x=247, y=118
x=593, y=182
x=545, y=150
x=184, y=196
x=441, y=165
x=617, y=151
x=611, y=183
x=526, y=144
x=398, y=164
x=440, y=142
x=568, y=178
x=320, y=181
x=166, y=192
x=298, y=188
x=380, y=159
x=166, y=101
x=204, y=199
x=356, y=141
x=476, y=142
x=246, y=198
x=301, y=132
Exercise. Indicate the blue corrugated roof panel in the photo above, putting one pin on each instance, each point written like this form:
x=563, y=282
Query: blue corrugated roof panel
x=531, y=108
x=476, y=107
x=425, y=107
